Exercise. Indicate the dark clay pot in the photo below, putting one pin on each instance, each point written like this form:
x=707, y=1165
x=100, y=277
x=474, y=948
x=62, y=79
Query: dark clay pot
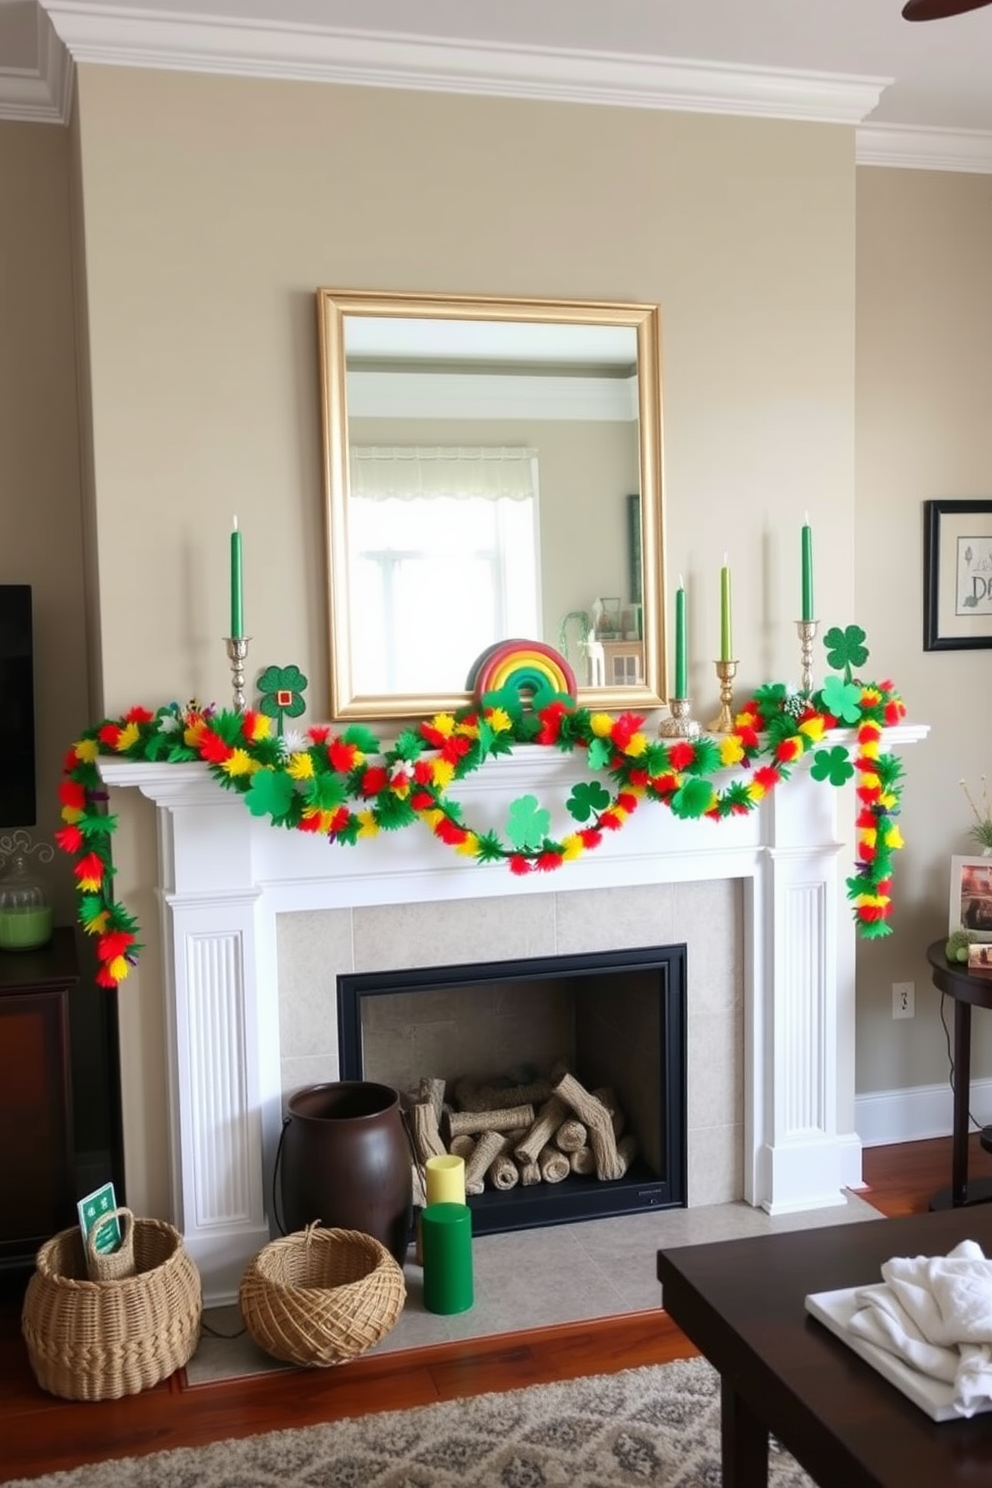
x=346, y=1161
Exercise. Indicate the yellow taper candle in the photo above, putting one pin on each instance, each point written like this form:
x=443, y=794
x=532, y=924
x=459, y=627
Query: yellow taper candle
x=445, y=1180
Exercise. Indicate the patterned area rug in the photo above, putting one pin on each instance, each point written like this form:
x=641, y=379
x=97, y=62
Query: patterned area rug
x=656, y=1427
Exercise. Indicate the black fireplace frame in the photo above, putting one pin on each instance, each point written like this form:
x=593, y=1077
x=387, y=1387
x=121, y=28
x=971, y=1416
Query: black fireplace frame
x=577, y=1198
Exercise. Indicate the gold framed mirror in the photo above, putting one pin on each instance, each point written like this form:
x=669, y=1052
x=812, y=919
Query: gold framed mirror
x=492, y=472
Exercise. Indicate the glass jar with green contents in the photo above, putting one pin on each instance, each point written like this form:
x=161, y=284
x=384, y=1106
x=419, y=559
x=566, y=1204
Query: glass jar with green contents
x=25, y=913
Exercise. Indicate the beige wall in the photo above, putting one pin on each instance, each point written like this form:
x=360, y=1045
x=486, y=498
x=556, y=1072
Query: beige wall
x=40, y=522
x=924, y=371
x=215, y=207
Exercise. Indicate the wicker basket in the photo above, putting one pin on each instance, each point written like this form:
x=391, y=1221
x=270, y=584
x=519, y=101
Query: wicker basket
x=99, y=1340
x=111, y=1265
x=320, y=1297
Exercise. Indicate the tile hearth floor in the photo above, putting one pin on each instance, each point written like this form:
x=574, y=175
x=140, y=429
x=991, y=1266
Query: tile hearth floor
x=540, y=1278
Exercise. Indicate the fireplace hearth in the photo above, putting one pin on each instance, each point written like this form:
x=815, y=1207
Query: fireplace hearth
x=615, y=1019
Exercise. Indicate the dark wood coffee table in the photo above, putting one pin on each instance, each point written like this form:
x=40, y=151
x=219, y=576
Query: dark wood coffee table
x=741, y=1302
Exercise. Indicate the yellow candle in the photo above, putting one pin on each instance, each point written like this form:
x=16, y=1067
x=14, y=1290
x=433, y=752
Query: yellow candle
x=445, y=1180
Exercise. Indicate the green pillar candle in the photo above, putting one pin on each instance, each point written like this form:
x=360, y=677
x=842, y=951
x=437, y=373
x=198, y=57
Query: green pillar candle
x=237, y=585
x=680, y=643
x=807, y=554
x=446, y=1234
x=726, y=641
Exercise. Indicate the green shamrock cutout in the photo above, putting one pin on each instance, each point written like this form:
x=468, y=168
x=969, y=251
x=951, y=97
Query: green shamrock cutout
x=599, y=753
x=842, y=699
x=527, y=824
x=833, y=765
x=281, y=692
x=587, y=798
x=270, y=794
x=846, y=649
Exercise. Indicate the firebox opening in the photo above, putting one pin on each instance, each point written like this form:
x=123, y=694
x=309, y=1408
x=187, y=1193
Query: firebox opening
x=615, y=1019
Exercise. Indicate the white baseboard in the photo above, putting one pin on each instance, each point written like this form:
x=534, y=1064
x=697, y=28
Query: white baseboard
x=883, y=1117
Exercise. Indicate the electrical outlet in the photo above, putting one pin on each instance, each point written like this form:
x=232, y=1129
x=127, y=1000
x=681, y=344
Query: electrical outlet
x=904, y=999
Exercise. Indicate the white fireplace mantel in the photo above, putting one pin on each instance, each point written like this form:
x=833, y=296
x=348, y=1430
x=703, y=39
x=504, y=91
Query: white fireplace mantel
x=224, y=877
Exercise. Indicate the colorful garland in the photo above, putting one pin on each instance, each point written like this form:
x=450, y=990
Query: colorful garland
x=342, y=786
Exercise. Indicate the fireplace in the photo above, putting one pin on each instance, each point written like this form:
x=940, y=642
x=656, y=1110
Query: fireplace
x=616, y=1020
x=244, y=906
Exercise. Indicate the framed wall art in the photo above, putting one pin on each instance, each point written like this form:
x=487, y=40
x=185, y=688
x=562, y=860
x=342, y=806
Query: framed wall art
x=971, y=897
x=957, y=575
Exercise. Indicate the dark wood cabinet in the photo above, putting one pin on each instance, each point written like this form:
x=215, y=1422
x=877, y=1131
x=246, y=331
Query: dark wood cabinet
x=37, y=1195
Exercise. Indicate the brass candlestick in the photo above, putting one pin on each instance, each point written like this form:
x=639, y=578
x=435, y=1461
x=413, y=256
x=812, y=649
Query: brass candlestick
x=807, y=635
x=681, y=725
x=723, y=723
x=237, y=651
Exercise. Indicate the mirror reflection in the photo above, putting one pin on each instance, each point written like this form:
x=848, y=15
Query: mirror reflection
x=491, y=473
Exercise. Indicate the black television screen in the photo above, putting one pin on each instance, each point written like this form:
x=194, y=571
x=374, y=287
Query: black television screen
x=18, y=801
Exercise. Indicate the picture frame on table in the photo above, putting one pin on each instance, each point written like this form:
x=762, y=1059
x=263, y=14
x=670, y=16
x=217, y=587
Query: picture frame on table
x=957, y=575
x=971, y=897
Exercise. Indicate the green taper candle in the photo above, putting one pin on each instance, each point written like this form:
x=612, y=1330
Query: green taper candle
x=446, y=1230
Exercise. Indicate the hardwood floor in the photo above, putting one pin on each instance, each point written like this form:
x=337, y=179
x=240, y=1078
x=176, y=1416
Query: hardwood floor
x=39, y=1433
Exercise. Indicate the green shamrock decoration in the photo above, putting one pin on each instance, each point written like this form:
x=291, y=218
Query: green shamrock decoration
x=270, y=794
x=527, y=824
x=833, y=765
x=281, y=692
x=842, y=699
x=599, y=753
x=846, y=649
x=587, y=797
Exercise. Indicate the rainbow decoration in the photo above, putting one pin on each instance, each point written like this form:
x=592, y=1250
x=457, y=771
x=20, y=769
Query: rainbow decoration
x=533, y=672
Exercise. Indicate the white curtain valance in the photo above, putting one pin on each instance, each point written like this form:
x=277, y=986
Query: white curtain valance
x=407, y=471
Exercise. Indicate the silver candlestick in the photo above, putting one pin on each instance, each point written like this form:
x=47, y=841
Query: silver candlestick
x=237, y=651
x=807, y=635
x=681, y=725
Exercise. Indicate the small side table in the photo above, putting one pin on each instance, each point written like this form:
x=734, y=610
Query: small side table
x=968, y=989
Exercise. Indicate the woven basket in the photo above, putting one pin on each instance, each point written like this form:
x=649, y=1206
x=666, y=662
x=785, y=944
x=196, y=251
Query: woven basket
x=320, y=1297
x=99, y=1340
x=111, y=1265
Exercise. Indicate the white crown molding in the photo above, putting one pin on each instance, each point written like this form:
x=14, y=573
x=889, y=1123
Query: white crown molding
x=87, y=32
x=149, y=38
x=42, y=93
x=909, y=148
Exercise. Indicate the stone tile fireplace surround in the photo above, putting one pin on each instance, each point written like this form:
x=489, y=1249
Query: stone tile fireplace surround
x=259, y=923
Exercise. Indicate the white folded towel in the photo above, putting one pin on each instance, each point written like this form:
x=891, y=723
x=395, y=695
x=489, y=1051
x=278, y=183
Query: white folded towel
x=935, y=1313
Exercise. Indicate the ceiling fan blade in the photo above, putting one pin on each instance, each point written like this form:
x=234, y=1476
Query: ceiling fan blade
x=939, y=10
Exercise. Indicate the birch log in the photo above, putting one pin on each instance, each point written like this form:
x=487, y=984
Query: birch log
x=471, y=1122
x=554, y=1165
x=486, y=1149
x=599, y=1123
x=608, y=1096
x=542, y=1128
x=503, y=1172
x=426, y=1137
x=571, y=1135
x=431, y=1092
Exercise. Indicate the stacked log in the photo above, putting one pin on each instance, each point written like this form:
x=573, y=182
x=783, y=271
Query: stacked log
x=510, y=1134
